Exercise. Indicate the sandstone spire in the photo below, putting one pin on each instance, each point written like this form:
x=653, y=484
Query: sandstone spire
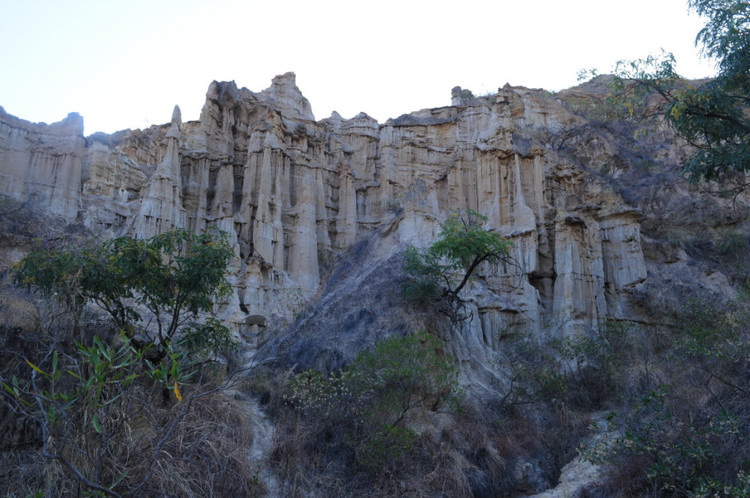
x=161, y=206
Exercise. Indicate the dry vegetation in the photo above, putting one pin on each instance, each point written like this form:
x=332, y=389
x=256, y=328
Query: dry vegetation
x=150, y=444
x=129, y=435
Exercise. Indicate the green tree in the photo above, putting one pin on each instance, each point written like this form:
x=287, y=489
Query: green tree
x=107, y=417
x=712, y=115
x=151, y=288
x=440, y=273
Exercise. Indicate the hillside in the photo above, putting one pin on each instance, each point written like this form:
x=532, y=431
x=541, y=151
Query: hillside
x=609, y=245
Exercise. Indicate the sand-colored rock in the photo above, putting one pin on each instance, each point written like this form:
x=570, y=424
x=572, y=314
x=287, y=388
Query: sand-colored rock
x=293, y=193
x=42, y=163
x=161, y=205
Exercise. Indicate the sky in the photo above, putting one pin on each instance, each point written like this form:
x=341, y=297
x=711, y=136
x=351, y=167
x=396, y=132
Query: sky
x=125, y=64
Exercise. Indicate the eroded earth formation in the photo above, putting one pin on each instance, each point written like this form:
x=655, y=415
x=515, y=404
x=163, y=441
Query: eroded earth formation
x=320, y=212
x=297, y=195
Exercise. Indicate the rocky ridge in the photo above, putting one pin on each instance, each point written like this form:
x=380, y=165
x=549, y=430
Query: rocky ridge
x=296, y=194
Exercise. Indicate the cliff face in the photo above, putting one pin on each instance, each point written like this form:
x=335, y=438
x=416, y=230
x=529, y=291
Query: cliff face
x=42, y=163
x=294, y=193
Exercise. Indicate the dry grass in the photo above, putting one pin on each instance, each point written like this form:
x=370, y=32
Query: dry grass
x=162, y=447
x=205, y=455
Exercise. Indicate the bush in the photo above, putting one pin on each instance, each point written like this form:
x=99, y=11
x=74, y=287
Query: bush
x=580, y=371
x=372, y=399
x=110, y=423
x=171, y=275
x=687, y=434
x=108, y=411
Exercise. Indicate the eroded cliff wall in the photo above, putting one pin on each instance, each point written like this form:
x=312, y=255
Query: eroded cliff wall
x=42, y=164
x=294, y=193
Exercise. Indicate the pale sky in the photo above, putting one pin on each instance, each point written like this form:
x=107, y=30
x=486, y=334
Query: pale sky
x=125, y=64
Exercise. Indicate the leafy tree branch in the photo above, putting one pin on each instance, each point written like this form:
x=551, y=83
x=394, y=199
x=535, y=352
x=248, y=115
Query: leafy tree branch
x=173, y=276
x=442, y=271
x=712, y=115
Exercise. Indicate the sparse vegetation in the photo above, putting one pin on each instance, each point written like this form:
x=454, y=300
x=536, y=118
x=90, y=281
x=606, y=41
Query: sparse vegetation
x=684, y=425
x=109, y=422
x=100, y=412
x=366, y=407
x=579, y=371
x=710, y=115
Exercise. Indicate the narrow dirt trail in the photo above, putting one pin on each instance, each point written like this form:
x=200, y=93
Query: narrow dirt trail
x=263, y=434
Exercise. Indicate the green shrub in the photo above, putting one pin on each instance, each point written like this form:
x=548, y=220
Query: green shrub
x=688, y=434
x=580, y=370
x=109, y=410
x=386, y=447
x=106, y=415
x=374, y=396
x=174, y=276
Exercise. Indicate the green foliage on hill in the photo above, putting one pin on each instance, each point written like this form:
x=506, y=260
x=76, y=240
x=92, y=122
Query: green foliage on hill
x=111, y=423
x=173, y=277
x=371, y=400
x=713, y=115
x=684, y=426
x=111, y=407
